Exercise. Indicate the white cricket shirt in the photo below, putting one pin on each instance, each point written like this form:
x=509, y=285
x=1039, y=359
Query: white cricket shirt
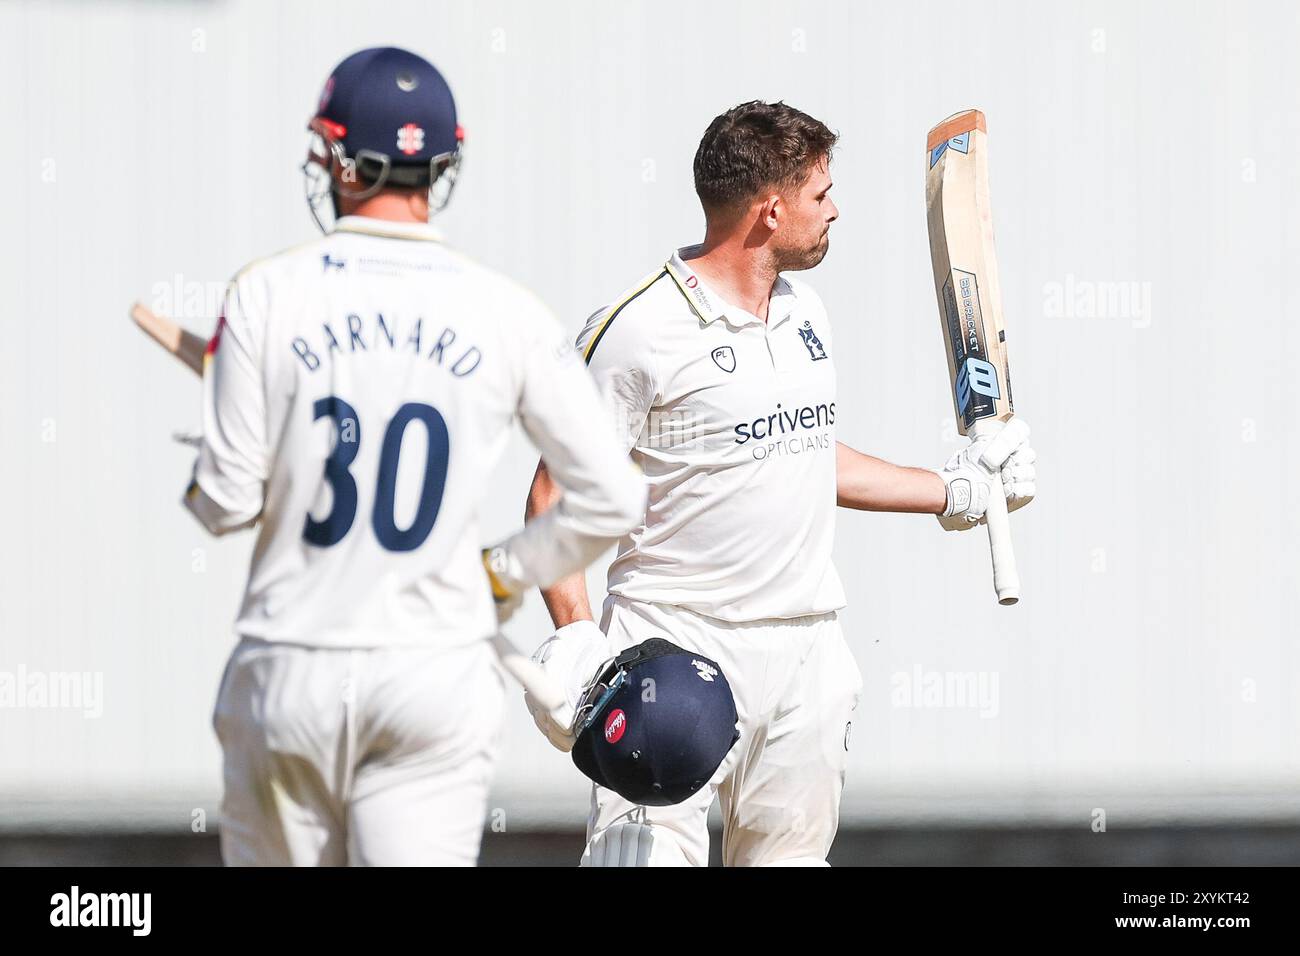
x=358, y=394
x=733, y=422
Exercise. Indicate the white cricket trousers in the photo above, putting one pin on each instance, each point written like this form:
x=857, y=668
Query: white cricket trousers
x=796, y=684
x=334, y=756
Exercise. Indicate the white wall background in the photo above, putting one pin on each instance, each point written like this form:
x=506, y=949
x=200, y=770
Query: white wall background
x=1151, y=667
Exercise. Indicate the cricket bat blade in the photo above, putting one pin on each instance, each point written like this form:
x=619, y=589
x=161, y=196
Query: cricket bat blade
x=966, y=283
x=183, y=344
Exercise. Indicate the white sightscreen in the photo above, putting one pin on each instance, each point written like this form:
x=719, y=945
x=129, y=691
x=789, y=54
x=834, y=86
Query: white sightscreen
x=1145, y=192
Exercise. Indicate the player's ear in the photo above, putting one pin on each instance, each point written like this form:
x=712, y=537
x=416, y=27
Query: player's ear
x=772, y=210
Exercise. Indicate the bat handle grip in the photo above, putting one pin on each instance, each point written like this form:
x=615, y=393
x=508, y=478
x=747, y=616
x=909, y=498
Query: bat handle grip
x=1006, y=579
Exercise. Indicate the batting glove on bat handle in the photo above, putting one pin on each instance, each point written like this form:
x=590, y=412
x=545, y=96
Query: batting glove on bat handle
x=991, y=459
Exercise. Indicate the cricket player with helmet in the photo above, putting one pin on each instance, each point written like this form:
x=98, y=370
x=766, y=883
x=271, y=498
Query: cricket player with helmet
x=720, y=370
x=358, y=393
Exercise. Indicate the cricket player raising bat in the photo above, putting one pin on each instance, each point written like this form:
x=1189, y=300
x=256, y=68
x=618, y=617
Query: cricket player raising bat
x=720, y=370
x=358, y=393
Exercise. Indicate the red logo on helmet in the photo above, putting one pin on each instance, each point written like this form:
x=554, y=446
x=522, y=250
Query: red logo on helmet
x=615, y=724
x=410, y=139
x=692, y=282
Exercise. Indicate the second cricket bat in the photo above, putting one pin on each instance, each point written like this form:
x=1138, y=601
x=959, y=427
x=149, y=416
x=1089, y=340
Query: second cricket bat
x=970, y=304
x=185, y=345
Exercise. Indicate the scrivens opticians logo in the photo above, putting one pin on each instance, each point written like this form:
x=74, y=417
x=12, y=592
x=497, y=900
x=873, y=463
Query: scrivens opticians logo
x=785, y=421
x=788, y=432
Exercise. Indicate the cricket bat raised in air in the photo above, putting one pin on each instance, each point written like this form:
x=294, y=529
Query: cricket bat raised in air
x=190, y=348
x=970, y=304
x=186, y=346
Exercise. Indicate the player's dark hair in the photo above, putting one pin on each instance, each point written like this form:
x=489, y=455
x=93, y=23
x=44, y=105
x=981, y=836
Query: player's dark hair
x=757, y=145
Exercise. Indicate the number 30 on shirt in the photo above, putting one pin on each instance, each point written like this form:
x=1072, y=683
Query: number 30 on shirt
x=343, y=484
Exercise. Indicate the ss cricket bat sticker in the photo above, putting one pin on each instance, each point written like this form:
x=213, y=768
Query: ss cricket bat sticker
x=976, y=383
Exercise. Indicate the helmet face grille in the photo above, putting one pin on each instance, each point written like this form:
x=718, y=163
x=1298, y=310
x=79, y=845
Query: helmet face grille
x=330, y=174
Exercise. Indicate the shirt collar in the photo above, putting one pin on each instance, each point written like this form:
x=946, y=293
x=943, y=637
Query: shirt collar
x=388, y=228
x=781, y=304
x=708, y=306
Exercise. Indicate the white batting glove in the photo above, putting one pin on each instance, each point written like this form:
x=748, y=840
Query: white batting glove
x=1019, y=477
x=970, y=476
x=573, y=657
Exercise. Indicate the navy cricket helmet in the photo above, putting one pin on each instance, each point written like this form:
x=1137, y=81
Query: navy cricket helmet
x=656, y=724
x=386, y=117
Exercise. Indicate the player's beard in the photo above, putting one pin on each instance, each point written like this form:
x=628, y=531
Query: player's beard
x=823, y=246
x=801, y=259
